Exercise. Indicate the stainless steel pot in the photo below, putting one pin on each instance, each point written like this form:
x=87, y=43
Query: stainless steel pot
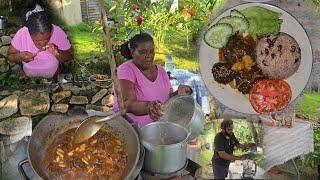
x=185, y=111
x=166, y=147
x=49, y=127
x=3, y=23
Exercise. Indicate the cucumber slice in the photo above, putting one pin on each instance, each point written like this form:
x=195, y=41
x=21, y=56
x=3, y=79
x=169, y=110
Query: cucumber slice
x=217, y=36
x=238, y=24
x=236, y=13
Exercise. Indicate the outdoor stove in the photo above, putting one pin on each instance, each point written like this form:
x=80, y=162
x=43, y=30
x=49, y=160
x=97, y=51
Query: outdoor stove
x=191, y=169
x=249, y=169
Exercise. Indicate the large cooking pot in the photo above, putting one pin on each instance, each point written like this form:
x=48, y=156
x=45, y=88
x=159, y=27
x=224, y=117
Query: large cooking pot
x=165, y=147
x=3, y=23
x=185, y=111
x=52, y=125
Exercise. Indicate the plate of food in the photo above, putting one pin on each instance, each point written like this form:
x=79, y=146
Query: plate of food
x=255, y=58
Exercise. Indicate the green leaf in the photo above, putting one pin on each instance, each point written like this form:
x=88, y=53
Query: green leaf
x=112, y=8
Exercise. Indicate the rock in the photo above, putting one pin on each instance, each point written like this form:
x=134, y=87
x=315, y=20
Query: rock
x=70, y=87
x=111, y=90
x=98, y=108
x=4, y=66
x=56, y=97
x=6, y=40
x=10, y=139
x=108, y=100
x=3, y=157
x=79, y=100
x=99, y=95
x=14, y=126
x=8, y=106
x=76, y=110
x=54, y=87
x=4, y=93
x=12, y=63
x=34, y=103
x=90, y=86
x=16, y=68
x=10, y=149
x=18, y=93
x=4, y=50
x=61, y=108
x=3, y=61
x=88, y=90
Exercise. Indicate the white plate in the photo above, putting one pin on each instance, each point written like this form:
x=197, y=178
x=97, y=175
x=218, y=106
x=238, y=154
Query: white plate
x=235, y=100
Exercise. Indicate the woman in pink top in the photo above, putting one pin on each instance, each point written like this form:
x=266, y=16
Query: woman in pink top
x=40, y=45
x=145, y=86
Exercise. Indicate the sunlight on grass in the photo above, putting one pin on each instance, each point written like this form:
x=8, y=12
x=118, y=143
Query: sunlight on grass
x=183, y=57
x=87, y=44
x=309, y=105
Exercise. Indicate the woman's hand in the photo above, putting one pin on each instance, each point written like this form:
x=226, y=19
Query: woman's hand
x=155, y=110
x=53, y=49
x=26, y=56
x=184, y=89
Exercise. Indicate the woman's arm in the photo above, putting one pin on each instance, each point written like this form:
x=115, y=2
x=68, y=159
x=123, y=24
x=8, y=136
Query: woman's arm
x=137, y=107
x=131, y=103
x=182, y=89
x=16, y=56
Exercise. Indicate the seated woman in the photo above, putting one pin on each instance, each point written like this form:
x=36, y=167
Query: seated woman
x=40, y=45
x=145, y=86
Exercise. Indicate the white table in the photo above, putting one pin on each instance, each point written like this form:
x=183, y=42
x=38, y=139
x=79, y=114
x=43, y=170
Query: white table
x=284, y=144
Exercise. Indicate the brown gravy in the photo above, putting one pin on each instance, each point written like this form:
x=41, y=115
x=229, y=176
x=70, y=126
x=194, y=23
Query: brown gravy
x=103, y=156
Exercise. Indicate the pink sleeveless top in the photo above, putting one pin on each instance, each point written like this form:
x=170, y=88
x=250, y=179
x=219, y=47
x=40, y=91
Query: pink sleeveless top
x=146, y=90
x=44, y=64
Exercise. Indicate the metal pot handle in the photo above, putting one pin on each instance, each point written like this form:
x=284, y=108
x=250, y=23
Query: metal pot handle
x=255, y=169
x=21, y=171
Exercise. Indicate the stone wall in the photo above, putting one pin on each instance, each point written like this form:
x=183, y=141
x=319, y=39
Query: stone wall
x=5, y=66
x=20, y=110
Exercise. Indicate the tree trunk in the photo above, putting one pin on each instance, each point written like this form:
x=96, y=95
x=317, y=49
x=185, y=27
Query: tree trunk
x=110, y=58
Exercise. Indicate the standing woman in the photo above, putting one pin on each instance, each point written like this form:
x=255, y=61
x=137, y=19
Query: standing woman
x=40, y=45
x=145, y=86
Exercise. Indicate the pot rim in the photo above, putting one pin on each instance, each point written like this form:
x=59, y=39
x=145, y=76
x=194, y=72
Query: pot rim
x=165, y=145
x=172, y=100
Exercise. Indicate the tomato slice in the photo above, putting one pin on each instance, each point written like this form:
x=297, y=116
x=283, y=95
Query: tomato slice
x=270, y=95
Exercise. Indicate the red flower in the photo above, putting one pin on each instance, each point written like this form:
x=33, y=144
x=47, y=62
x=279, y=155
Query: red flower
x=136, y=8
x=192, y=12
x=139, y=20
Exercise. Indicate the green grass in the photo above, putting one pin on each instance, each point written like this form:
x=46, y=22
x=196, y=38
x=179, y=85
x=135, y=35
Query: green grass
x=88, y=48
x=176, y=44
x=205, y=157
x=309, y=105
x=87, y=44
